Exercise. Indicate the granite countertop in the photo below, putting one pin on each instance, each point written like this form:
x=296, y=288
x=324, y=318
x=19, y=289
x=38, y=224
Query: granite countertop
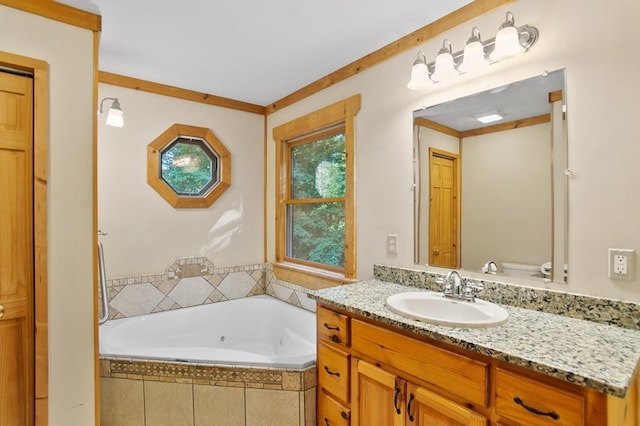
x=599, y=356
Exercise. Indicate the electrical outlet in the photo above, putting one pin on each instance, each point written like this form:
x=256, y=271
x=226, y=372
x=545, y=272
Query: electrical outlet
x=621, y=264
x=392, y=244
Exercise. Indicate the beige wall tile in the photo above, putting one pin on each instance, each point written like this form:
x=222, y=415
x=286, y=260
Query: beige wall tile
x=121, y=402
x=236, y=285
x=310, y=407
x=291, y=380
x=272, y=408
x=218, y=406
x=310, y=378
x=137, y=299
x=168, y=404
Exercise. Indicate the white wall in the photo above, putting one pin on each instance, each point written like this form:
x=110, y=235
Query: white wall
x=506, y=197
x=69, y=52
x=593, y=43
x=145, y=233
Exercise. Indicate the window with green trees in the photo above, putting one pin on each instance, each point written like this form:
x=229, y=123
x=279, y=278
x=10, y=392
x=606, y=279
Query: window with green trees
x=316, y=208
x=189, y=166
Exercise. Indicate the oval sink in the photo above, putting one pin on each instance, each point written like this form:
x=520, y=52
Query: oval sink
x=436, y=309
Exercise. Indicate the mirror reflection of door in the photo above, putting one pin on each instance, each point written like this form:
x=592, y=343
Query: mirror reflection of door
x=443, y=209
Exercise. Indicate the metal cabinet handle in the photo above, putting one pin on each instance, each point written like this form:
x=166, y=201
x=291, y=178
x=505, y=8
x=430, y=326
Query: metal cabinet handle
x=396, y=397
x=552, y=414
x=411, y=399
x=329, y=327
x=1, y=311
x=333, y=373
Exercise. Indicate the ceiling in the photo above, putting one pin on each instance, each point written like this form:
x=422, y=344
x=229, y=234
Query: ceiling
x=515, y=101
x=250, y=50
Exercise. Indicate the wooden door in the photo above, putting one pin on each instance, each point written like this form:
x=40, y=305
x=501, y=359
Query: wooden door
x=443, y=209
x=16, y=251
x=425, y=408
x=377, y=396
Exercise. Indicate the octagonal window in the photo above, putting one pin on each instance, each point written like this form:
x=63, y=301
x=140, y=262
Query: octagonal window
x=188, y=166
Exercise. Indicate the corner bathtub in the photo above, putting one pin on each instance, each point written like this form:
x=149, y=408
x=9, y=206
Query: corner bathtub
x=258, y=331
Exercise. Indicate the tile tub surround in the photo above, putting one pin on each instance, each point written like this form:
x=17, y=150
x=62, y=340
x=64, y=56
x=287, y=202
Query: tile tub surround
x=603, y=310
x=600, y=356
x=141, y=392
x=195, y=281
x=289, y=292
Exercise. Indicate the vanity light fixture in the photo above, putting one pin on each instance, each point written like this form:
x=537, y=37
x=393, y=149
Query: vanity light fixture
x=510, y=41
x=473, y=57
x=489, y=117
x=115, y=116
x=507, y=41
x=445, y=68
x=420, y=74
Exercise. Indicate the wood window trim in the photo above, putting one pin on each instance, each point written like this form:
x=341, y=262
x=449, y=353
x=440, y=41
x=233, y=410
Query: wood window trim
x=154, y=152
x=342, y=112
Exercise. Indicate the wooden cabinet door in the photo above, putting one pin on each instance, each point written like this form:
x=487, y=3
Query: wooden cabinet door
x=426, y=408
x=16, y=251
x=377, y=397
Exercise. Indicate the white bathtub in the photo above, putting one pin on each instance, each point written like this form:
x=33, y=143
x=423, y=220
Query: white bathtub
x=258, y=331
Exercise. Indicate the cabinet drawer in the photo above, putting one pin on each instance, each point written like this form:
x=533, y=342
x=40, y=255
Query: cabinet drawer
x=530, y=402
x=331, y=412
x=332, y=326
x=454, y=373
x=333, y=371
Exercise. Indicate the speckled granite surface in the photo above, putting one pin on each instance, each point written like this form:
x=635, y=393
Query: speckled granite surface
x=599, y=356
x=607, y=311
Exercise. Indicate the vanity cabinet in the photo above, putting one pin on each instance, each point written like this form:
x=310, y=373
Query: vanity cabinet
x=390, y=377
x=531, y=402
x=383, y=398
x=333, y=394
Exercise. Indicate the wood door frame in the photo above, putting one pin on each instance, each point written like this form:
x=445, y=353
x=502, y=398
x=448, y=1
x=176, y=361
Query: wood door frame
x=457, y=216
x=40, y=71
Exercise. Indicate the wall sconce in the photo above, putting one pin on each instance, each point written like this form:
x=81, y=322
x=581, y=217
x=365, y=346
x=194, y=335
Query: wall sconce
x=509, y=42
x=115, y=117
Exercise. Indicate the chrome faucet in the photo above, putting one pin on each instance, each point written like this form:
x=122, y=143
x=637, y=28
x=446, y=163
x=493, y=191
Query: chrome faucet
x=453, y=283
x=459, y=288
x=489, y=268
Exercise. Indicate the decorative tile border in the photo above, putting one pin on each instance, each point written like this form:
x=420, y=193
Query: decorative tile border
x=202, y=374
x=195, y=281
x=602, y=310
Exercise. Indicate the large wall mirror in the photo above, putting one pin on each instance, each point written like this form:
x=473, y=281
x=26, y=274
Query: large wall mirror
x=491, y=181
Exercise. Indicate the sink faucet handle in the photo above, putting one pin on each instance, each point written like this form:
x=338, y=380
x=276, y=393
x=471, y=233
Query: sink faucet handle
x=446, y=283
x=475, y=286
x=471, y=289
